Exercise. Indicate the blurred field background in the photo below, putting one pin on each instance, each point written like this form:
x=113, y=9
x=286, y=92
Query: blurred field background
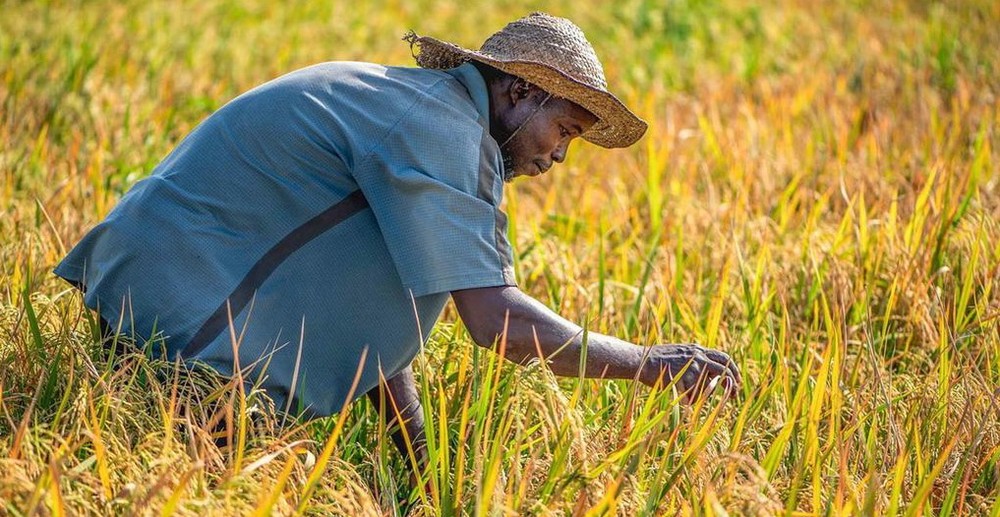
x=818, y=195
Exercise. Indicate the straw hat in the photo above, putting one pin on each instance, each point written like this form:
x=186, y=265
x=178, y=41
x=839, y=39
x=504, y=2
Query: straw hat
x=553, y=54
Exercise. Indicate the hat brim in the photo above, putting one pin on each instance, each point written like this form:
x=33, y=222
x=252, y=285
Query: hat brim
x=616, y=125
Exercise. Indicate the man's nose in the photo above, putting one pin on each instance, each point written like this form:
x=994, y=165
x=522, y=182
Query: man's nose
x=559, y=153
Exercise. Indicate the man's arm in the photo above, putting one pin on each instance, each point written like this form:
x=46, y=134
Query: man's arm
x=533, y=330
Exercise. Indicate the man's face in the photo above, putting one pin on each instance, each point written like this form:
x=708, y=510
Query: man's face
x=546, y=129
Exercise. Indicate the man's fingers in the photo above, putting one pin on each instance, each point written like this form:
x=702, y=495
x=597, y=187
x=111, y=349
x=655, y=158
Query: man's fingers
x=704, y=377
x=714, y=369
x=716, y=374
x=724, y=358
x=729, y=377
x=701, y=385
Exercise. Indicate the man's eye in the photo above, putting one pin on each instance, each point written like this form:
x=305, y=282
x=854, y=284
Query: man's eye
x=563, y=132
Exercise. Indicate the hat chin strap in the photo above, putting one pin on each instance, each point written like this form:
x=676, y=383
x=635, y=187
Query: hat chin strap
x=530, y=116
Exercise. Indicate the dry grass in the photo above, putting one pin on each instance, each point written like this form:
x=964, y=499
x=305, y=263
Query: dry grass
x=818, y=195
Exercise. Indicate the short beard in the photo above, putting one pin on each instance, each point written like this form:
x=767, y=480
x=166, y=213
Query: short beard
x=510, y=152
x=508, y=167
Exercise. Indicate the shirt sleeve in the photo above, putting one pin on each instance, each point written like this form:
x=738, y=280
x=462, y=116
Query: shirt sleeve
x=434, y=185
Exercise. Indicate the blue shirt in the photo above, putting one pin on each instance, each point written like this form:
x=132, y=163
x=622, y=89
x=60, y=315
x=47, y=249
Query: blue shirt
x=320, y=217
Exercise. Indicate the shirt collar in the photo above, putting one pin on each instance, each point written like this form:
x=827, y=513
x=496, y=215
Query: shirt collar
x=469, y=76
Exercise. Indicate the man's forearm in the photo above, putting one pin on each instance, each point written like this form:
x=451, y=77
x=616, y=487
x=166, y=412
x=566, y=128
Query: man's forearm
x=606, y=357
x=533, y=331
x=563, y=344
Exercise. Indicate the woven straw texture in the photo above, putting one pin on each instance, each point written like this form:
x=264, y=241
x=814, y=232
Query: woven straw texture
x=553, y=54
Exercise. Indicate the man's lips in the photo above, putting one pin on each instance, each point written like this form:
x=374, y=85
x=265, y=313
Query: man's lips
x=542, y=167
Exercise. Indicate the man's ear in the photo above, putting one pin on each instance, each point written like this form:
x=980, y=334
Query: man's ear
x=520, y=90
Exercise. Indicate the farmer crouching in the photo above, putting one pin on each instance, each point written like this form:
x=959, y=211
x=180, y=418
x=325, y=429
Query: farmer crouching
x=315, y=226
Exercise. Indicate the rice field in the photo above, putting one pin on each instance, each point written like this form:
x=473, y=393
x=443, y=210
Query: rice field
x=818, y=195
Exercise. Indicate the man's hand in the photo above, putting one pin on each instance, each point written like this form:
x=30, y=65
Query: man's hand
x=701, y=370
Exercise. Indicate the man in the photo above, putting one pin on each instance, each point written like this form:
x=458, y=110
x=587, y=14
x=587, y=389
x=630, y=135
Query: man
x=317, y=224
